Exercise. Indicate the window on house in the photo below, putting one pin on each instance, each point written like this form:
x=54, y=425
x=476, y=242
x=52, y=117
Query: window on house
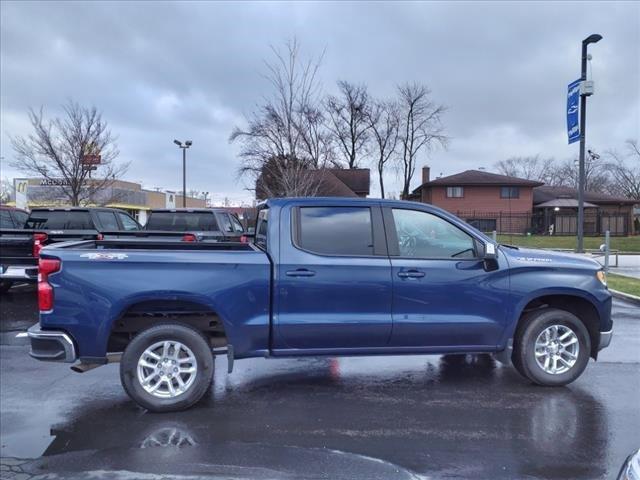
x=455, y=192
x=510, y=192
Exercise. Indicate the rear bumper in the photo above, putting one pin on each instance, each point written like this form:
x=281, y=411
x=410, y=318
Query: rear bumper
x=51, y=345
x=24, y=273
x=605, y=339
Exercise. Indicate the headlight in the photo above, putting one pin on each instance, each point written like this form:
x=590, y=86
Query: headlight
x=602, y=277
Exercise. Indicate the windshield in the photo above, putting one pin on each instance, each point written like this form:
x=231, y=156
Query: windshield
x=182, y=221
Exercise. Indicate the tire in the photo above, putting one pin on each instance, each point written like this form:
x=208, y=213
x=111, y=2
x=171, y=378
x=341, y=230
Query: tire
x=540, y=326
x=165, y=390
x=5, y=285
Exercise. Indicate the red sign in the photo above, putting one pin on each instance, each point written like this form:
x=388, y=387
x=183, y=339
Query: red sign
x=91, y=159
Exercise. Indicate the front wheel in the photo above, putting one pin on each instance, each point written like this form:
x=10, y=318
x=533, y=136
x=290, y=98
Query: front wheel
x=166, y=368
x=552, y=348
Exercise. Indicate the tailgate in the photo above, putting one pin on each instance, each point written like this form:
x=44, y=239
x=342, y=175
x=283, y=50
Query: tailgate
x=16, y=247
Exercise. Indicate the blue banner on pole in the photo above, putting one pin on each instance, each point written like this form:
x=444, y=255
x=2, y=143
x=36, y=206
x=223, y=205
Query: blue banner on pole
x=573, y=122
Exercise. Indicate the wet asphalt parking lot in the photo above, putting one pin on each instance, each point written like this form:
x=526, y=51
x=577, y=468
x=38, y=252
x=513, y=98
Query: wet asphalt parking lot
x=404, y=417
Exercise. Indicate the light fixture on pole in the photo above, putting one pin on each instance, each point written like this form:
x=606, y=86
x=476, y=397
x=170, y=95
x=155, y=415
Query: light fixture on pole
x=184, y=147
x=586, y=89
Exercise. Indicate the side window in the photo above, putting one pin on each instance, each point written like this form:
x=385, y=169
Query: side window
x=108, y=220
x=20, y=218
x=128, y=223
x=225, y=223
x=336, y=230
x=236, y=224
x=5, y=219
x=423, y=235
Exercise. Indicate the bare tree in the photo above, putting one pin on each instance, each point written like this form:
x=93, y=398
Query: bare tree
x=625, y=170
x=420, y=128
x=384, y=121
x=349, y=121
x=596, y=174
x=6, y=190
x=287, y=132
x=531, y=168
x=282, y=177
x=56, y=148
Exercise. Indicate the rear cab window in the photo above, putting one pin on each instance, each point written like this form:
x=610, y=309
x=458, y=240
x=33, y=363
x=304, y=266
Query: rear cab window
x=182, y=221
x=342, y=231
x=60, y=220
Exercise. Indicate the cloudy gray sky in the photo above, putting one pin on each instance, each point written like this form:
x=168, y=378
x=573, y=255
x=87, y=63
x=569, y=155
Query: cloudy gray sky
x=192, y=70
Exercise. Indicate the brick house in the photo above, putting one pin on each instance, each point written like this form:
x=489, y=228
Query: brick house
x=486, y=200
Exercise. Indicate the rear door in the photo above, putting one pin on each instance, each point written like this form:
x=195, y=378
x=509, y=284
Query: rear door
x=442, y=295
x=333, y=280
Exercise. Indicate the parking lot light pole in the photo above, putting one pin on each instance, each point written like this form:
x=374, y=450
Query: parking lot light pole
x=583, y=117
x=184, y=147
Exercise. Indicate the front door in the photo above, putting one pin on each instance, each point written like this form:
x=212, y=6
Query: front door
x=334, y=279
x=442, y=294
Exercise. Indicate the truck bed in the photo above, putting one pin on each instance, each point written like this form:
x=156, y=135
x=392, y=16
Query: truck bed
x=151, y=244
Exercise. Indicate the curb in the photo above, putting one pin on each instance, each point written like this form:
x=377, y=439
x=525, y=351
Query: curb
x=625, y=296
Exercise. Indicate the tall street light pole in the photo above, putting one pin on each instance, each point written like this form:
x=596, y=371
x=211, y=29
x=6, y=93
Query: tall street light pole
x=184, y=147
x=583, y=120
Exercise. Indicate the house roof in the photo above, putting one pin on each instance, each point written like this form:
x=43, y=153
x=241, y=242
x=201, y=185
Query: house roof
x=564, y=203
x=333, y=183
x=477, y=177
x=546, y=193
x=357, y=179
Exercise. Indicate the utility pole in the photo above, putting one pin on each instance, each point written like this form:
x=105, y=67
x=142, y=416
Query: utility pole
x=184, y=147
x=584, y=93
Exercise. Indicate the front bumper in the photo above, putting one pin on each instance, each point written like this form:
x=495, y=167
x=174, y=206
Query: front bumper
x=51, y=345
x=605, y=339
x=25, y=273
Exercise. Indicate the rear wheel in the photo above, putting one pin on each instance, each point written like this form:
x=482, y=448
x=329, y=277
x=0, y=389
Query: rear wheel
x=167, y=367
x=552, y=348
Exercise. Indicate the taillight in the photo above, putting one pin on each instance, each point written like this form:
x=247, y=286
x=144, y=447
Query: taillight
x=46, y=266
x=38, y=243
x=244, y=239
x=189, y=237
x=100, y=237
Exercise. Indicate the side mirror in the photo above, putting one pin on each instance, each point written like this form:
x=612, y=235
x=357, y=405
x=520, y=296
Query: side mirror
x=603, y=247
x=490, y=251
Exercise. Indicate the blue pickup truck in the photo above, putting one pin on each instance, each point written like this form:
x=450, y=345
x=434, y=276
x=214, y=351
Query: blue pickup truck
x=321, y=277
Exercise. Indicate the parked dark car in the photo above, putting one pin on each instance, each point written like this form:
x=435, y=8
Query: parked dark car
x=22, y=240
x=324, y=276
x=208, y=224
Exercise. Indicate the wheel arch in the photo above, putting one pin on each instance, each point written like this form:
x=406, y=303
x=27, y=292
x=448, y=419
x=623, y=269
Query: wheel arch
x=143, y=311
x=577, y=302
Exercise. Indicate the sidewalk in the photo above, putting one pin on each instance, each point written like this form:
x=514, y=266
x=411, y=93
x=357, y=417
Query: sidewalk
x=628, y=265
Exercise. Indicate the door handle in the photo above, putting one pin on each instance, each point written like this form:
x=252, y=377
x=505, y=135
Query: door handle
x=300, y=272
x=410, y=274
